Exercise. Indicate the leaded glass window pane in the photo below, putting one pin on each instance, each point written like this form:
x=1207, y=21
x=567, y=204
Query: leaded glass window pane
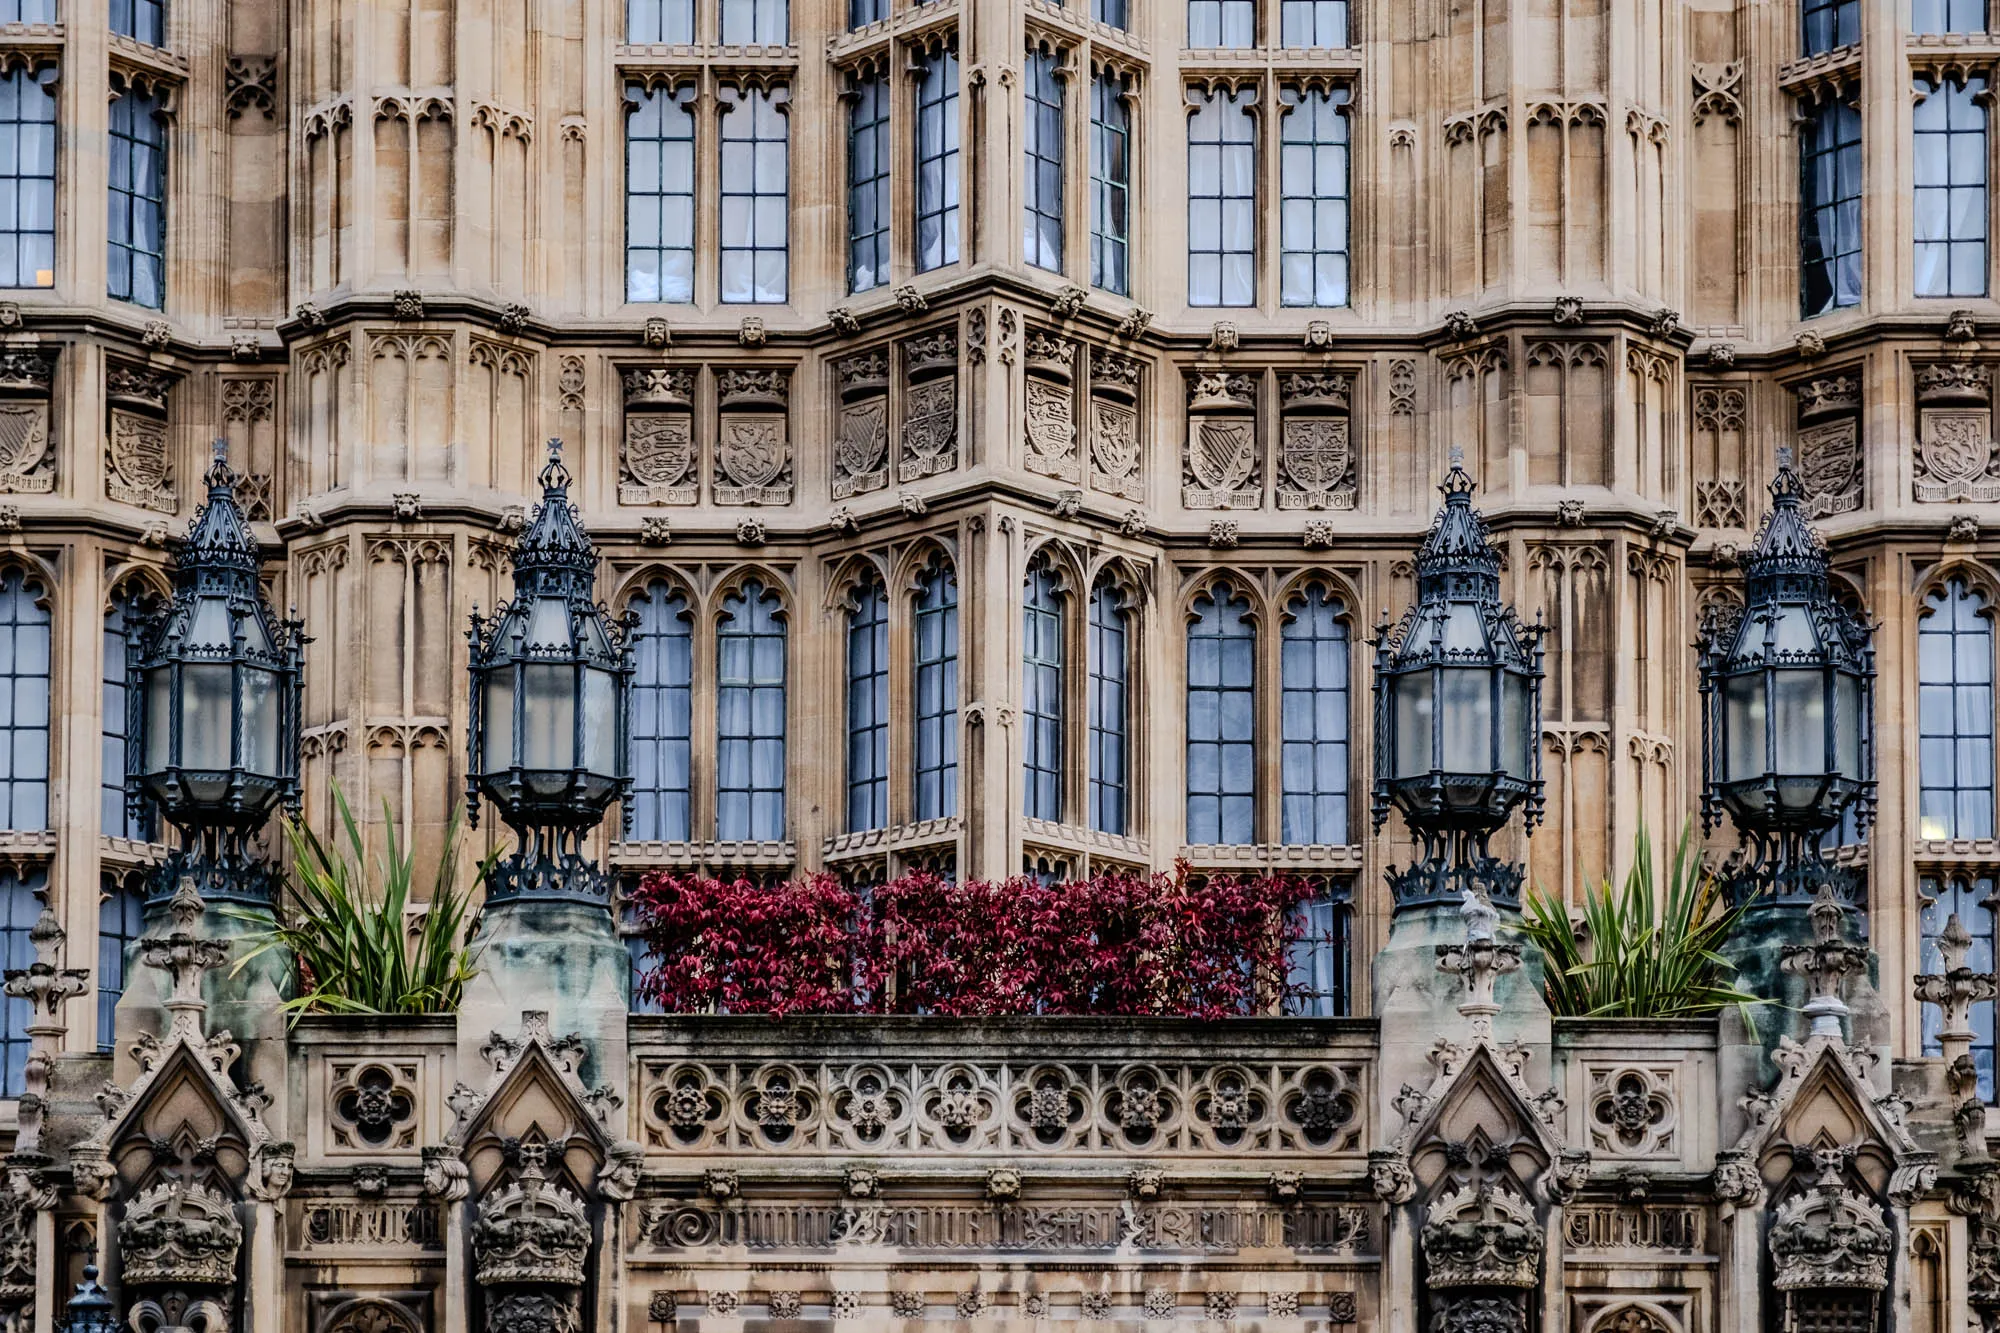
x=1949, y=174
x=1315, y=23
x=936, y=751
x=19, y=906
x=756, y=173
x=755, y=22
x=1970, y=898
x=1830, y=209
x=1313, y=215
x=120, y=921
x=1042, y=210
x=1221, y=720
x=1042, y=695
x=868, y=710
x=27, y=11
x=1215, y=24
x=937, y=161
x=1826, y=24
x=861, y=13
x=750, y=717
x=28, y=179
x=1114, y=12
x=662, y=705
x=138, y=200
x=1110, y=186
x=24, y=703
x=1314, y=704
x=1321, y=980
x=868, y=184
x=142, y=20
x=1222, y=201
x=659, y=194
x=1955, y=715
x=659, y=22
x=1929, y=16
x=119, y=622
x=1109, y=711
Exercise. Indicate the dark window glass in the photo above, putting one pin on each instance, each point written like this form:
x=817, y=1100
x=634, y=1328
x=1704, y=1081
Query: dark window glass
x=755, y=22
x=937, y=161
x=1947, y=16
x=1110, y=186
x=1114, y=12
x=24, y=703
x=119, y=622
x=28, y=179
x=659, y=194
x=868, y=710
x=1949, y=173
x=1042, y=696
x=750, y=721
x=27, y=11
x=138, y=195
x=868, y=184
x=1109, y=711
x=1221, y=23
x=1827, y=24
x=1221, y=720
x=1042, y=212
x=1313, y=683
x=861, y=13
x=936, y=750
x=120, y=921
x=1830, y=209
x=1955, y=715
x=659, y=22
x=1312, y=178
x=141, y=20
x=755, y=200
x=1970, y=899
x=635, y=946
x=1222, y=201
x=19, y=906
x=1315, y=23
x=1321, y=966
x=662, y=708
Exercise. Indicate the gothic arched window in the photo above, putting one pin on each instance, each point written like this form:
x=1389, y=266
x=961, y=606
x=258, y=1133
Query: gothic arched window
x=1108, y=709
x=1955, y=715
x=662, y=714
x=1221, y=720
x=868, y=709
x=936, y=751
x=24, y=702
x=1042, y=695
x=1314, y=715
x=750, y=717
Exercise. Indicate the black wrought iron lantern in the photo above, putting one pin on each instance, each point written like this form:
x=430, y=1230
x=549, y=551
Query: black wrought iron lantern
x=1458, y=705
x=212, y=734
x=1787, y=686
x=90, y=1309
x=550, y=675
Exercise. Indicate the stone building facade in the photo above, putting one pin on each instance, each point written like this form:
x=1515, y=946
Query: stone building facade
x=950, y=387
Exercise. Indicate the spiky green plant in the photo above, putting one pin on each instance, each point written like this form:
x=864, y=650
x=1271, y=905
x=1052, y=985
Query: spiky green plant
x=350, y=943
x=1634, y=955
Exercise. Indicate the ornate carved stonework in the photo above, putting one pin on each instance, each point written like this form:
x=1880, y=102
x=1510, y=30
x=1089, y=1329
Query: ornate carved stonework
x=1220, y=470
x=139, y=469
x=1315, y=460
x=1482, y=1235
x=753, y=450
x=179, y=1235
x=1050, y=411
x=1830, y=1236
x=27, y=462
x=1828, y=444
x=861, y=441
x=1956, y=459
x=657, y=460
x=1115, y=451
x=930, y=406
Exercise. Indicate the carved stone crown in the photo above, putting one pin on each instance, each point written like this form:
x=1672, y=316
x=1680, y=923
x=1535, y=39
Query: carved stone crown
x=1836, y=395
x=1954, y=383
x=25, y=372
x=1830, y=1236
x=129, y=386
x=1219, y=392
x=752, y=388
x=178, y=1234
x=1118, y=375
x=1325, y=391
x=1479, y=1236
x=654, y=387
x=533, y=1231
x=864, y=374
x=1050, y=355
x=931, y=353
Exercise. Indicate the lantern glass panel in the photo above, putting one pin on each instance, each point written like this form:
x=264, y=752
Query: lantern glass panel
x=1847, y=725
x=207, y=715
x=1467, y=709
x=208, y=626
x=600, y=722
x=1411, y=695
x=1464, y=632
x=1793, y=632
x=1743, y=727
x=498, y=719
x=159, y=718
x=548, y=724
x=260, y=720
x=1515, y=743
x=548, y=627
x=1799, y=702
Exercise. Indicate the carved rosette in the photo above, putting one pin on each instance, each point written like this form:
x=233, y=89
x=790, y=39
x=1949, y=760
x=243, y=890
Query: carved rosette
x=1220, y=470
x=753, y=448
x=861, y=440
x=1956, y=459
x=656, y=464
x=139, y=467
x=1114, y=426
x=1829, y=444
x=27, y=463
x=930, y=406
x=1050, y=414
x=1315, y=456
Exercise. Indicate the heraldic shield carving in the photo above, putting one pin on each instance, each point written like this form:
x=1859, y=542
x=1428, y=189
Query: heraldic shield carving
x=861, y=447
x=24, y=447
x=1955, y=456
x=1316, y=463
x=659, y=458
x=930, y=428
x=754, y=458
x=1830, y=466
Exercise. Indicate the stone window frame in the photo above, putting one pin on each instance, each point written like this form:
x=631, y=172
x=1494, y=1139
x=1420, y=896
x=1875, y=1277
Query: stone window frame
x=1969, y=890
x=1047, y=70
x=26, y=586
x=684, y=93
x=950, y=105
x=129, y=80
x=1110, y=600
x=1292, y=94
x=1343, y=619
x=1978, y=584
x=121, y=899
x=1948, y=18
x=754, y=786
x=1837, y=98
x=1974, y=84
x=145, y=21
x=1823, y=24
x=759, y=16
x=658, y=33
x=1113, y=83
x=867, y=618
x=1048, y=600
x=676, y=591
x=32, y=73
x=948, y=663
x=871, y=74
x=134, y=593
x=24, y=890
x=1220, y=592
x=1316, y=11
x=741, y=105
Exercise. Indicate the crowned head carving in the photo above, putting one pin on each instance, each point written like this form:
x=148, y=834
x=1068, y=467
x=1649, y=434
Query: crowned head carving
x=1482, y=1236
x=532, y=1231
x=179, y=1234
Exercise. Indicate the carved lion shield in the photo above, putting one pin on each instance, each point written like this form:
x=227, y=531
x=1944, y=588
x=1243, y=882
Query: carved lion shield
x=753, y=450
x=659, y=449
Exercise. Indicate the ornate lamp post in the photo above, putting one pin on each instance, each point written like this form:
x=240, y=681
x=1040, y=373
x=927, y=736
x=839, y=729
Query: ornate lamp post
x=550, y=671
x=1458, y=714
x=212, y=734
x=1788, y=698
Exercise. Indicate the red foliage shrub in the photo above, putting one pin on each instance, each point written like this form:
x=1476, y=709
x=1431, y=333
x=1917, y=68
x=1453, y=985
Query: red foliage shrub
x=1177, y=944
